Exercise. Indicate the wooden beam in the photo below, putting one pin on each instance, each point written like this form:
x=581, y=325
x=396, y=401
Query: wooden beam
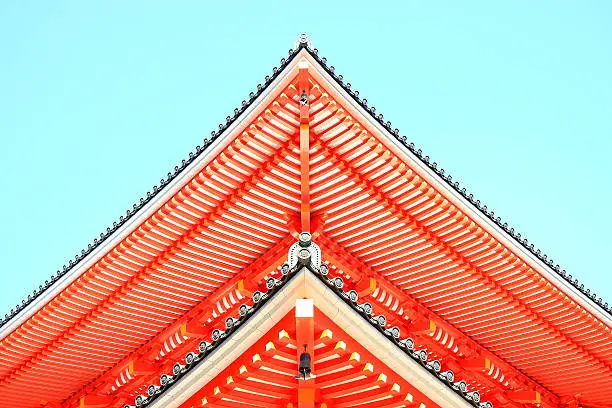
x=525, y=397
x=304, y=147
x=95, y=401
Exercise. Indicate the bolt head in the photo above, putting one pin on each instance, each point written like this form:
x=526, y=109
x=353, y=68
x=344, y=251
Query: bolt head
x=395, y=332
x=285, y=269
x=304, y=255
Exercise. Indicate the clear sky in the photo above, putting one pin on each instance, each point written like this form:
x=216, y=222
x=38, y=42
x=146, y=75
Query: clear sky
x=99, y=100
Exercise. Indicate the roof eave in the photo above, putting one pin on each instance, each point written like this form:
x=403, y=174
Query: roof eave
x=197, y=160
x=403, y=152
x=126, y=225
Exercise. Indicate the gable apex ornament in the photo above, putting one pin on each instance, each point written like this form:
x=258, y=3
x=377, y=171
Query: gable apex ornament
x=304, y=248
x=303, y=41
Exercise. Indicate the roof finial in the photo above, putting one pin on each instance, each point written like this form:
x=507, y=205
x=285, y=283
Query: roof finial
x=303, y=41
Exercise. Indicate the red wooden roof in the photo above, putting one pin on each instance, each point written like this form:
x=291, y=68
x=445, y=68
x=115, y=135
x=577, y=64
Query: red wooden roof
x=437, y=263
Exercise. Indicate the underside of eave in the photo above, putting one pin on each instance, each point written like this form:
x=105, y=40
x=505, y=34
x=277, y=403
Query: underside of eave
x=537, y=302
x=346, y=259
x=148, y=203
x=271, y=252
x=29, y=304
x=569, y=284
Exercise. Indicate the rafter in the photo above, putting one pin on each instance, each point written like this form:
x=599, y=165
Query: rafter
x=419, y=226
x=246, y=283
x=351, y=265
x=256, y=269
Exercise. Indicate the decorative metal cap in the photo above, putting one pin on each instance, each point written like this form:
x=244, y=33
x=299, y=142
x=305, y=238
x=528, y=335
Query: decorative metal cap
x=303, y=41
x=304, y=251
x=304, y=256
x=305, y=239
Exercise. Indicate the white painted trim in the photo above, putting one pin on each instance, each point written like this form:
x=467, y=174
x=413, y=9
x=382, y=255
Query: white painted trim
x=356, y=110
x=305, y=284
x=304, y=308
x=168, y=191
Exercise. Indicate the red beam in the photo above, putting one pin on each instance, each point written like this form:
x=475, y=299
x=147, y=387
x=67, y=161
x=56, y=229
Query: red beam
x=95, y=401
x=304, y=332
x=525, y=397
x=304, y=149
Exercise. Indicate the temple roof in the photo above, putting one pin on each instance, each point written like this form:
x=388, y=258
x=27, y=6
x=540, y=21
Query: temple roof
x=229, y=120
x=390, y=222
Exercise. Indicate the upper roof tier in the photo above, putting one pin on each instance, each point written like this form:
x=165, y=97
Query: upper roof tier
x=306, y=153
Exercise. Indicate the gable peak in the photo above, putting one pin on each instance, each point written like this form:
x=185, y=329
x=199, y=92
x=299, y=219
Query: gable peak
x=303, y=41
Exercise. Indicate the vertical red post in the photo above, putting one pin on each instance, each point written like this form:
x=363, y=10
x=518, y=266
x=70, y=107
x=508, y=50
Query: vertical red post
x=304, y=329
x=304, y=89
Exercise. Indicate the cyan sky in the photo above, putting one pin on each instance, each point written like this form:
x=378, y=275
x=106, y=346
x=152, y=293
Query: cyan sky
x=99, y=100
